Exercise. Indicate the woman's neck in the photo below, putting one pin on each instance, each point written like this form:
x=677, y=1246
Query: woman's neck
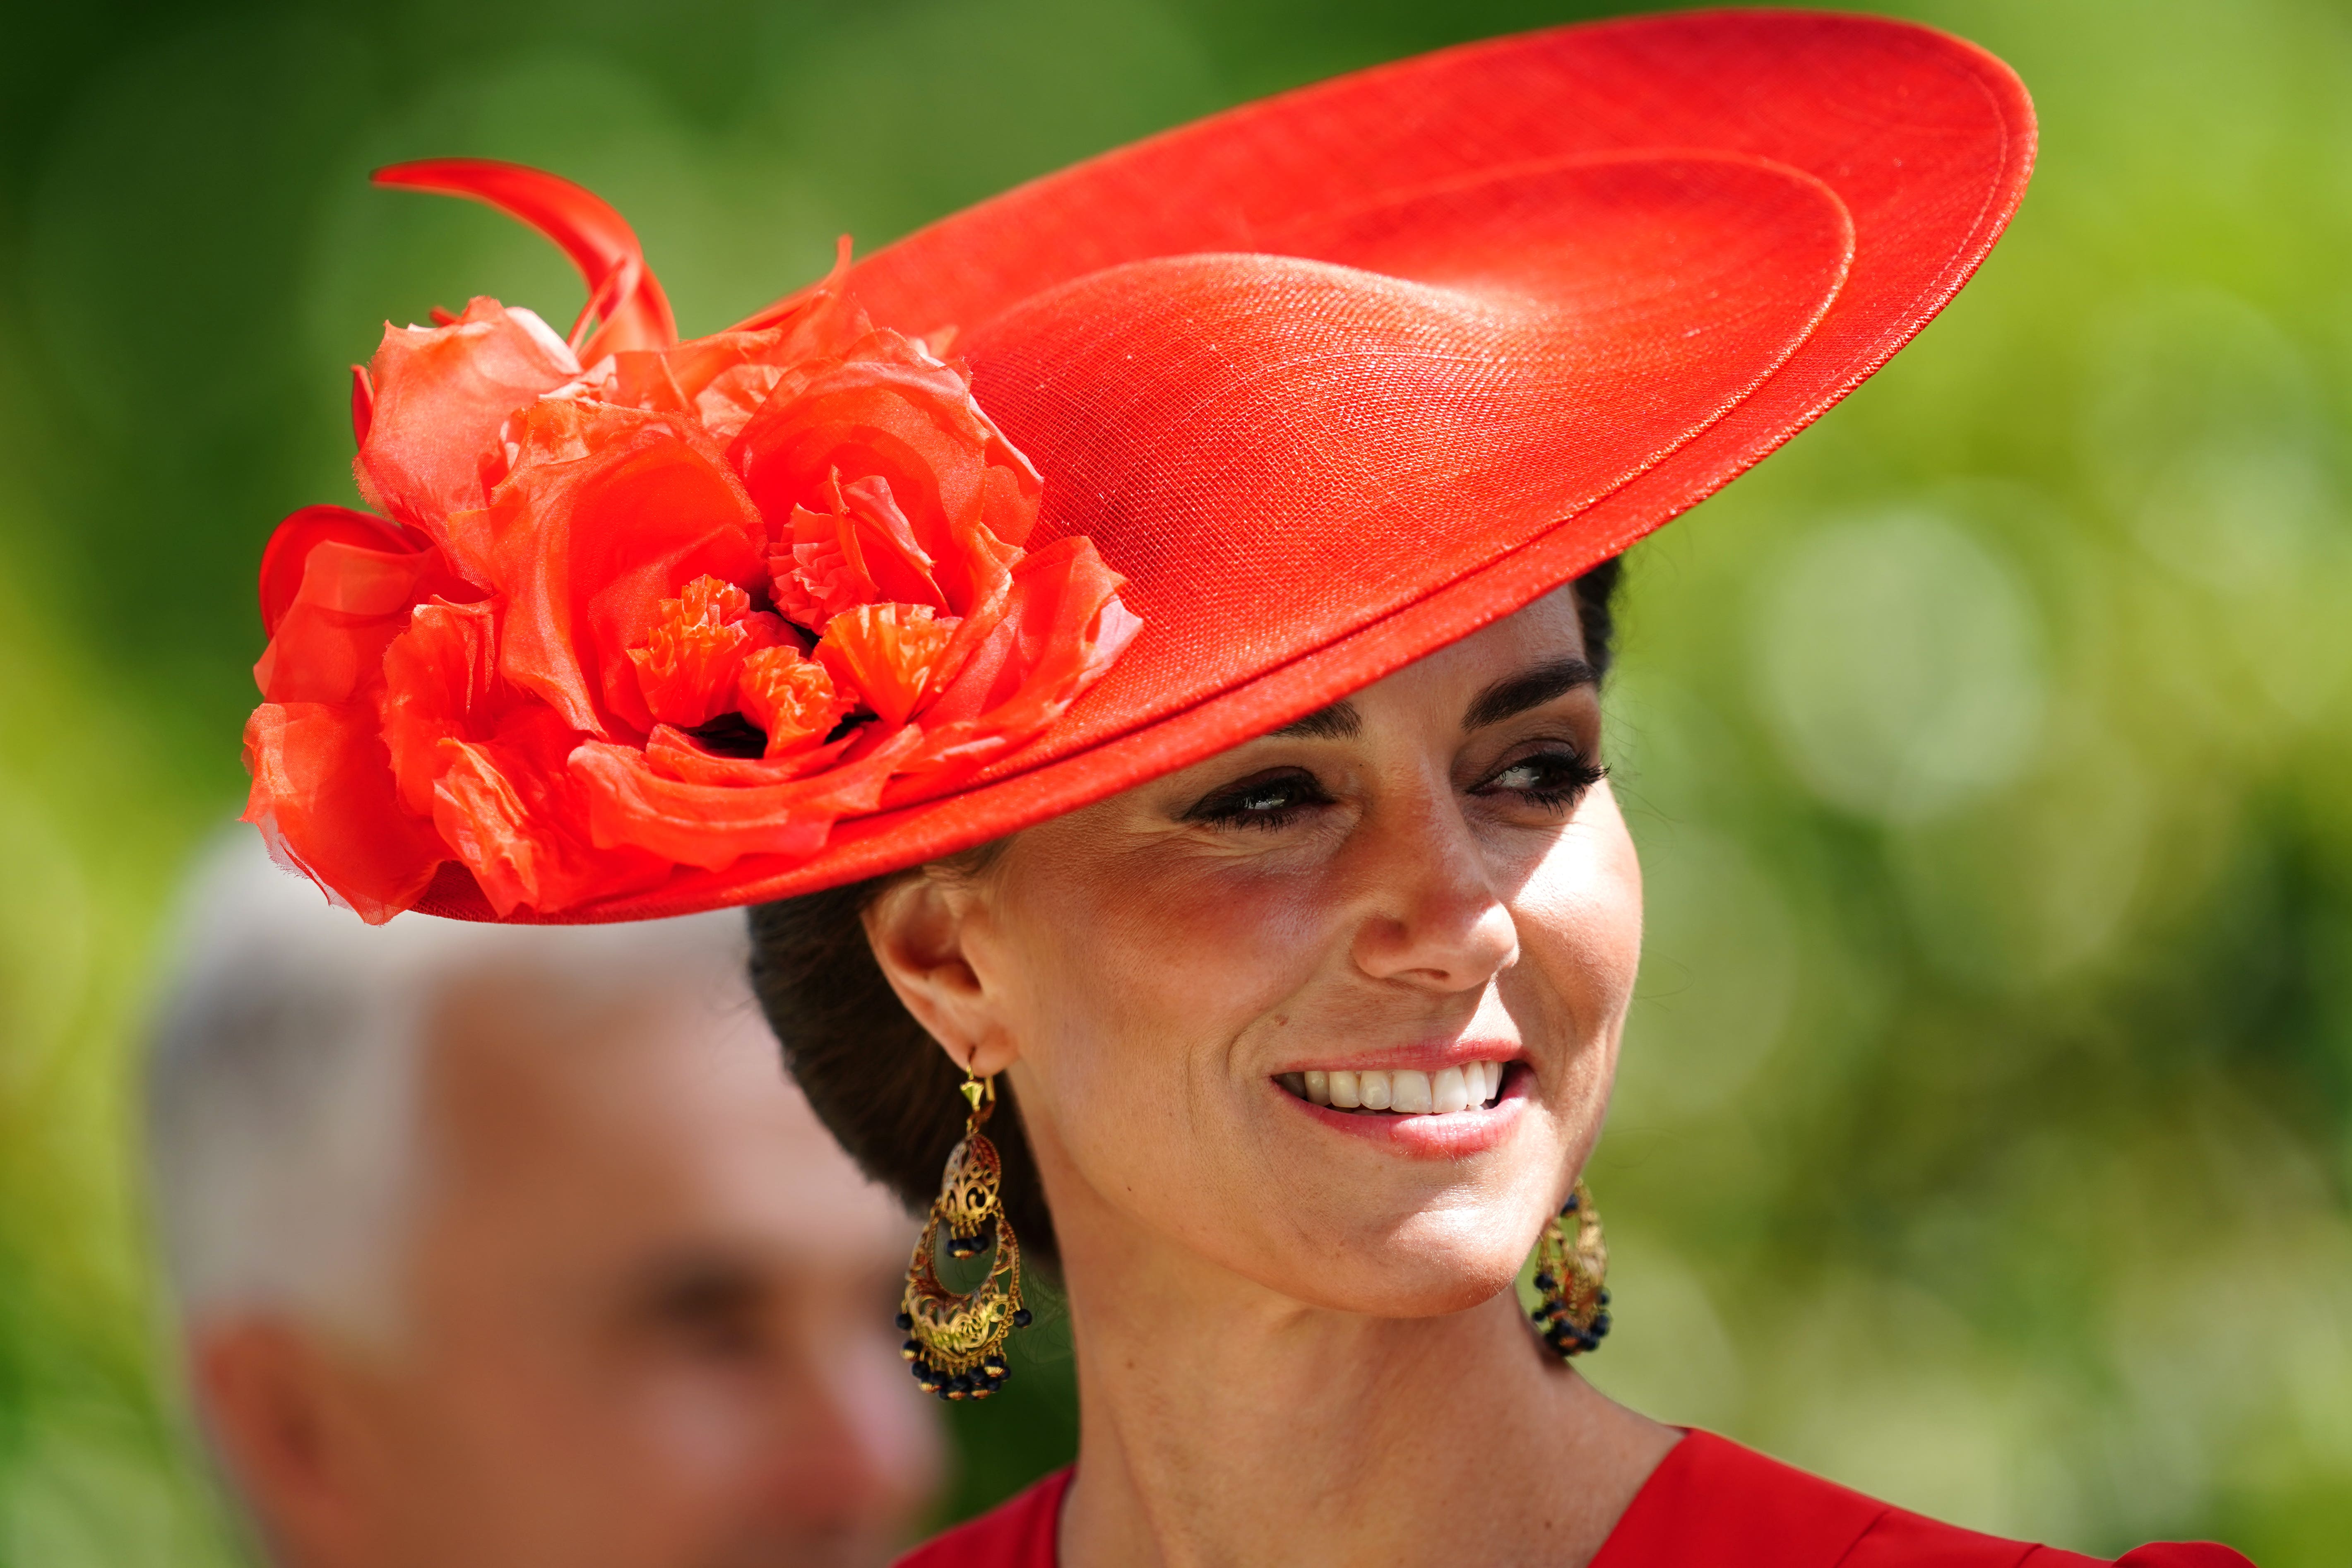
x=1224, y=1423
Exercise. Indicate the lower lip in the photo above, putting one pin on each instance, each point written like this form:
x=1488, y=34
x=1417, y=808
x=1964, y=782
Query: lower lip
x=1452, y=1136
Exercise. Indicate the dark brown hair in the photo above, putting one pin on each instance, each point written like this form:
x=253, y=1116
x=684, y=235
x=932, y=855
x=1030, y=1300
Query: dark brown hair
x=873, y=1075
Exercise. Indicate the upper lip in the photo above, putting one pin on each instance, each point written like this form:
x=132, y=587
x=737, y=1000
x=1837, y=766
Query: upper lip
x=1433, y=1057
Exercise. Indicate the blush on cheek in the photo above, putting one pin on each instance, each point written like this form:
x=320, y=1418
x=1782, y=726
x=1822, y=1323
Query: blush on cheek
x=1168, y=963
x=1128, y=998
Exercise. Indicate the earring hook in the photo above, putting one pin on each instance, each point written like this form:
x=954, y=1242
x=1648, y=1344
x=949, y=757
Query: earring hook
x=975, y=1088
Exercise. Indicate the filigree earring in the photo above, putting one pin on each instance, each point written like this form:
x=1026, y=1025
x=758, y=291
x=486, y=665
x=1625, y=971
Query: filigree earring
x=1572, y=1277
x=956, y=1343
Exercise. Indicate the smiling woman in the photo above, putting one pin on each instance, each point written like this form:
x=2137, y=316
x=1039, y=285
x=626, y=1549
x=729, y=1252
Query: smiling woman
x=1404, y=897
x=887, y=1089
x=1175, y=724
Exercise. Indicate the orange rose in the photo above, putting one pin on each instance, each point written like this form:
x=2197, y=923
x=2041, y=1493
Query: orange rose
x=695, y=601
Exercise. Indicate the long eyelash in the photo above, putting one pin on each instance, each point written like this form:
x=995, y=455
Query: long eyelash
x=1582, y=775
x=1231, y=809
x=1558, y=799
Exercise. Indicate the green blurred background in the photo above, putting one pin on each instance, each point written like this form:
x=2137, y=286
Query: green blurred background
x=1985, y=1137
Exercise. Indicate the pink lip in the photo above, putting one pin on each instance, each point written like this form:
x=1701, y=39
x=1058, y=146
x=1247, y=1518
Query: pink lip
x=1435, y=1056
x=1452, y=1136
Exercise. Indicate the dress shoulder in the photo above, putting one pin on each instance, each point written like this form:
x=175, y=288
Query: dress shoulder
x=1018, y=1534
x=1712, y=1501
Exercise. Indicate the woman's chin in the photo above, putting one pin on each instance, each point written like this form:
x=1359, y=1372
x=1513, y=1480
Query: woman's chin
x=1405, y=1282
x=1444, y=1259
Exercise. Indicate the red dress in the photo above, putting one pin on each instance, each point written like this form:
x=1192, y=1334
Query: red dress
x=1710, y=1504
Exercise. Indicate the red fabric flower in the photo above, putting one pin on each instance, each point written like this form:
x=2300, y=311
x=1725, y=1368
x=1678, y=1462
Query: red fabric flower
x=691, y=602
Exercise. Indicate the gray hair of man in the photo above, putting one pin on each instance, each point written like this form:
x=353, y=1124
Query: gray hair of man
x=283, y=1084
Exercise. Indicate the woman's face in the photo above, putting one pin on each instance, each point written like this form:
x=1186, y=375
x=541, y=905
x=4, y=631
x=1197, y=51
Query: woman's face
x=1421, y=898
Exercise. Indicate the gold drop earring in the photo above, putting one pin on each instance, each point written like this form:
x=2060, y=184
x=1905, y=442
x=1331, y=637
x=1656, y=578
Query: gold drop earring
x=1572, y=1277
x=956, y=1343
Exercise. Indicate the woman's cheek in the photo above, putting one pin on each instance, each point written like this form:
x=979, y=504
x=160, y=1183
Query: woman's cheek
x=1133, y=1003
x=1579, y=917
x=1193, y=953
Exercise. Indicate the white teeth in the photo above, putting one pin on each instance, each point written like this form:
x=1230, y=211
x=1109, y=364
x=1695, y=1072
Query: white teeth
x=1404, y=1092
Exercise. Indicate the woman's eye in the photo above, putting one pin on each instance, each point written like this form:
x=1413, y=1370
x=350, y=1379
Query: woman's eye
x=1552, y=780
x=1267, y=801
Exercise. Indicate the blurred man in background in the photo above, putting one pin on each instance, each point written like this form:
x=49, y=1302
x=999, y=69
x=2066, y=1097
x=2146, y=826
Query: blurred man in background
x=512, y=1246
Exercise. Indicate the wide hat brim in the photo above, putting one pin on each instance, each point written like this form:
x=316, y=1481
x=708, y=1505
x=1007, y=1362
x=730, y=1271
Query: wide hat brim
x=1339, y=377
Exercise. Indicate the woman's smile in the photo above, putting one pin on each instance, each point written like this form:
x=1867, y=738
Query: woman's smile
x=1451, y=1113
x=1400, y=1091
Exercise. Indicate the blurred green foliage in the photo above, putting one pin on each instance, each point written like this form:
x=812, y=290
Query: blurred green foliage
x=1985, y=1137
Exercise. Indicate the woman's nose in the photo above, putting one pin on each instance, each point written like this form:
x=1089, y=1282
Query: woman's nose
x=1434, y=916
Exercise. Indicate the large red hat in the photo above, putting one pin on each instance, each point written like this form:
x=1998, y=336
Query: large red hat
x=1255, y=411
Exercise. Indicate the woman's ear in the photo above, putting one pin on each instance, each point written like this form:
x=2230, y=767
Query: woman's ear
x=918, y=929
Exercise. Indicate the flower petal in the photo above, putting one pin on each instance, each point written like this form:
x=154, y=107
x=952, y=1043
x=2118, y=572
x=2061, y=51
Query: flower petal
x=711, y=825
x=724, y=379
x=900, y=568
x=888, y=655
x=324, y=801
x=1062, y=628
x=791, y=698
x=442, y=396
x=511, y=814
x=441, y=682
x=675, y=755
x=888, y=411
x=328, y=644
x=819, y=571
x=286, y=555
x=689, y=663
x=587, y=547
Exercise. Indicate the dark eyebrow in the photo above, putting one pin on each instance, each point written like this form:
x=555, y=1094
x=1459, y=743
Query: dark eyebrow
x=1339, y=722
x=1515, y=694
